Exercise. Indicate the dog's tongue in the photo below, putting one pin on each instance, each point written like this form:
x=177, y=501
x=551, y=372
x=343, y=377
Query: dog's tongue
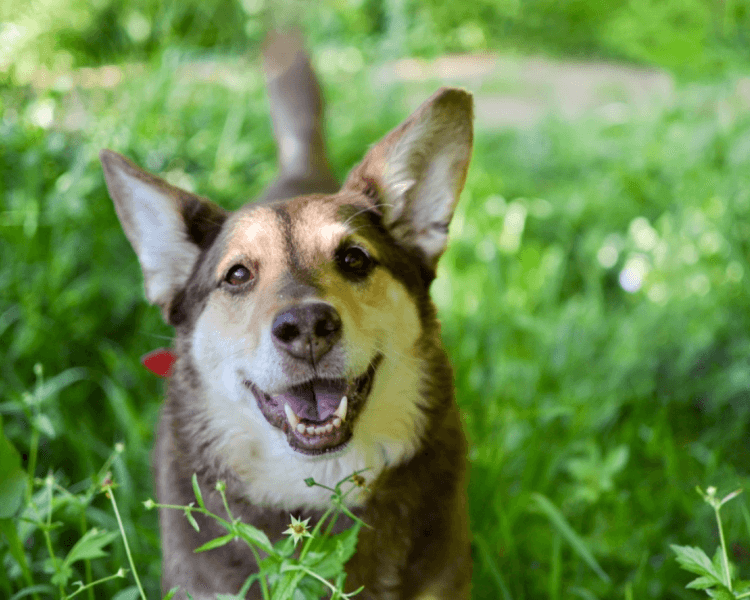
x=316, y=400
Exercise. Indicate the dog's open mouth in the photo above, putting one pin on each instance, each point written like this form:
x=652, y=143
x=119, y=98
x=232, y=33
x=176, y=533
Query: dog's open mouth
x=317, y=416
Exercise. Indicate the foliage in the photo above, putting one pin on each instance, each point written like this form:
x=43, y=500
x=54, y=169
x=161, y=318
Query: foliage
x=695, y=37
x=715, y=576
x=282, y=574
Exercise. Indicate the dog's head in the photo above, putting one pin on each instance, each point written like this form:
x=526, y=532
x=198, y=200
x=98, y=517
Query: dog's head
x=308, y=313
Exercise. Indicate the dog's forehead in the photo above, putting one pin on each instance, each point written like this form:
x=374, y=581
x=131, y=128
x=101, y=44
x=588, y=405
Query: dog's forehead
x=316, y=227
x=306, y=230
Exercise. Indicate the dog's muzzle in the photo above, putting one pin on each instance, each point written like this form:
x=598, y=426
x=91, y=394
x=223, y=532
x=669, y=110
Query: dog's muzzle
x=318, y=416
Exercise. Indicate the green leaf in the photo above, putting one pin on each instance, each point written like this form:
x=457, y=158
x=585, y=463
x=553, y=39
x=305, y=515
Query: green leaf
x=695, y=561
x=286, y=585
x=43, y=424
x=559, y=522
x=90, y=545
x=197, y=492
x=12, y=478
x=702, y=583
x=15, y=545
x=721, y=593
x=62, y=574
x=216, y=543
x=55, y=384
x=191, y=519
x=333, y=553
x=171, y=593
x=248, y=582
x=309, y=587
x=346, y=542
x=271, y=566
x=718, y=563
x=44, y=588
x=284, y=547
x=129, y=593
x=254, y=535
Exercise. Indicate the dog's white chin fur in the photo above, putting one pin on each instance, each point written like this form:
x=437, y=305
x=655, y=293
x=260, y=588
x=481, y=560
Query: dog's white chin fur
x=386, y=433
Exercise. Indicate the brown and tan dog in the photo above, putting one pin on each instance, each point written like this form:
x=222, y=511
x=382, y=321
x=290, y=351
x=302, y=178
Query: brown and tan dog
x=307, y=346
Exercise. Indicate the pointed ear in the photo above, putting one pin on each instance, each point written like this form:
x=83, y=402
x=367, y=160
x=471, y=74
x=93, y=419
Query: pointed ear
x=418, y=170
x=167, y=227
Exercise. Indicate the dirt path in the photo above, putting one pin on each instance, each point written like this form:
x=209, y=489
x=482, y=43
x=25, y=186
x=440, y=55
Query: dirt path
x=510, y=91
x=513, y=91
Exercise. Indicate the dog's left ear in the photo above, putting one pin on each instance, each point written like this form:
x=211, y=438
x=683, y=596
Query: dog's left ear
x=167, y=226
x=416, y=173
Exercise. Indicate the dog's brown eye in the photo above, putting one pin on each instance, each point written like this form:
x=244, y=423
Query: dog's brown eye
x=238, y=275
x=355, y=261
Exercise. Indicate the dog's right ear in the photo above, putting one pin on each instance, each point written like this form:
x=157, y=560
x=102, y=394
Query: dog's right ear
x=166, y=225
x=416, y=173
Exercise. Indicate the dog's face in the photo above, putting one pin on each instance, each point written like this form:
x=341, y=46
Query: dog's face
x=307, y=308
x=301, y=324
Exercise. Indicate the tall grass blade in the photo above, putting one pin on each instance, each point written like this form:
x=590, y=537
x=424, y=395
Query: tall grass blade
x=559, y=522
x=489, y=562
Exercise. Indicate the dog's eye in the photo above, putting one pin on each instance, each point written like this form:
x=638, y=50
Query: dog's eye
x=355, y=261
x=238, y=275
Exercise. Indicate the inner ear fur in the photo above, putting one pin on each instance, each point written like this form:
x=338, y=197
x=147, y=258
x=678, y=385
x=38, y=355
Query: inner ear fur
x=419, y=170
x=167, y=226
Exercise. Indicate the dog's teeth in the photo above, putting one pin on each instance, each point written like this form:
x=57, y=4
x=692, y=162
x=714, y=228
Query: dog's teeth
x=336, y=422
x=310, y=430
x=319, y=430
x=300, y=428
x=341, y=410
x=328, y=428
x=291, y=416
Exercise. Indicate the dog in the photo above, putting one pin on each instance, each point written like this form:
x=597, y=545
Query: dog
x=307, y=345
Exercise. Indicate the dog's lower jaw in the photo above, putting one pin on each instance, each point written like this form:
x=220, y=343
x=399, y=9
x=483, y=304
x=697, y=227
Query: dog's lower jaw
x=329, y=435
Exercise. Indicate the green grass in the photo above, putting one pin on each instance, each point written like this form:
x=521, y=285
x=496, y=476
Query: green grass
x=593, y=412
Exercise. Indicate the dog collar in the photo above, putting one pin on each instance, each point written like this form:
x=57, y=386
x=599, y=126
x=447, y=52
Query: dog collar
x=159, y=361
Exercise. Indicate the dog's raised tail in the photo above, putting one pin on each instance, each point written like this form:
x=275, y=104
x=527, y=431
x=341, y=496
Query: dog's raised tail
x=297, y=114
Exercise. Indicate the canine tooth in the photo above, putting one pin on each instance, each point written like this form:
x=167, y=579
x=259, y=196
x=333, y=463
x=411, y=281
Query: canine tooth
x=310, y=430
x=291, y=416
x=300, y=428
x=336, y=422
x=341, y=410
x=328, y=428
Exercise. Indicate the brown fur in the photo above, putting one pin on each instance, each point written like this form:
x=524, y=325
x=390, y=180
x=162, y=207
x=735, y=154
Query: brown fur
x=395, y=206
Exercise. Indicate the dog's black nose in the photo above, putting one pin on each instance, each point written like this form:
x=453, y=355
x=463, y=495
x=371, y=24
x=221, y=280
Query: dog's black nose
x=307, y=331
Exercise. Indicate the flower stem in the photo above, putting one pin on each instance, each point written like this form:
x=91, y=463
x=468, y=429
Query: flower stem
x=725, y=558
x=89, y=586
x=263, y=584
x=45, y=530
x=111, y=495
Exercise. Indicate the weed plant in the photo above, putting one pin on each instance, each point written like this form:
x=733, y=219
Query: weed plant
x=717, y=577
x=315, y=571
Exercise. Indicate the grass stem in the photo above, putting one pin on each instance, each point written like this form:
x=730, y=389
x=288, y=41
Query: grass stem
x=724, y=556
x=111, y=496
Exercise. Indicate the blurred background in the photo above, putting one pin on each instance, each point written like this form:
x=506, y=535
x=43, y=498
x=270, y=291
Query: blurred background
x=594, y=299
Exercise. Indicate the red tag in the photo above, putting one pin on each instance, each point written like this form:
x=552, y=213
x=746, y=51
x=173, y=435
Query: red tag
x=159, y=361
